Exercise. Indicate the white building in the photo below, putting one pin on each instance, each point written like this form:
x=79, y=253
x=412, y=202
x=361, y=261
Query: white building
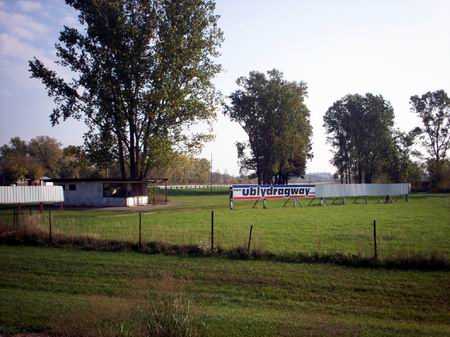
x=105, y=192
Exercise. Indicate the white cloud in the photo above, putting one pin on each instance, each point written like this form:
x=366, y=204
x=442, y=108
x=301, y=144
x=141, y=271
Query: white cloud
x=21, y=25
x=29, y=6
x=70, y=20
x=12, y=47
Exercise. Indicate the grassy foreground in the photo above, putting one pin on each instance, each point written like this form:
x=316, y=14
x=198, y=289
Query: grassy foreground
x=421, y=225
x=52, y=289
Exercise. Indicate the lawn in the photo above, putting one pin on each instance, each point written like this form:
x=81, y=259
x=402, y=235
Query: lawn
x=421, y=225
x=49, y=289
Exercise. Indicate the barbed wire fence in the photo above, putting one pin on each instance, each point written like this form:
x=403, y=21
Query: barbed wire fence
x=212, y=232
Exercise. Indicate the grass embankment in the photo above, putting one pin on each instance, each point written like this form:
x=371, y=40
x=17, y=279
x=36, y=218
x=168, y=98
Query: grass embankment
x=59, y=290
x=420, y=226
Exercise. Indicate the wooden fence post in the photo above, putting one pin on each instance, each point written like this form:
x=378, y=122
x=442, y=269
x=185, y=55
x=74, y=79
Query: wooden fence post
x=375, y=250
x=140, y=229
x=249, y=240
x=50, y=233
x=212, y=230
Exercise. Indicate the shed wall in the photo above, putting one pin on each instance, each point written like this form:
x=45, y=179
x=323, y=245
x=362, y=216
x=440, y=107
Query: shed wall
x=90, y=194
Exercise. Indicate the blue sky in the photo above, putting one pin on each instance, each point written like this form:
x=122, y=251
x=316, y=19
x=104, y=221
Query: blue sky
x=394, y=48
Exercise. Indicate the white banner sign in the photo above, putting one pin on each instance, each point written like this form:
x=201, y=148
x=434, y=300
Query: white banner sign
x=256, y=192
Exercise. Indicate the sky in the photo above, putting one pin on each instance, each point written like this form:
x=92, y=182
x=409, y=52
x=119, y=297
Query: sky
x=396, y=48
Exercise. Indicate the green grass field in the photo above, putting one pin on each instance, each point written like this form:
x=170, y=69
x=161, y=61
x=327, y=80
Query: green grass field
x=421, y=225
x=60, y=290
x=50, y=289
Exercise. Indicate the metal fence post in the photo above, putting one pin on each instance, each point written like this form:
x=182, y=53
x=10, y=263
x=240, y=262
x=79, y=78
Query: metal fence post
x=140, y=229
x=375, y=250
x=14, y=219
x=165, y=192
x=212, y=230
x=50, y=234
x=249, y=239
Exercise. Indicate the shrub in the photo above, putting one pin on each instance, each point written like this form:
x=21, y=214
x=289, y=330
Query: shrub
x=170, y=317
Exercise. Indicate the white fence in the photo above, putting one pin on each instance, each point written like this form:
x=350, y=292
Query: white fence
x=28, y=195
x=326, y=190
x=195, y=187
x=360, y=190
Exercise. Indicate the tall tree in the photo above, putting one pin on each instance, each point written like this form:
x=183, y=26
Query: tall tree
x=433, y=109
x=142, y=71
x=360, y=131
x=274, y=115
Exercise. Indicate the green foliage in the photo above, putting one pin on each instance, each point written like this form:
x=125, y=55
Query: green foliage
x=433, y=108
x=20, y=160
x=13, y=161
x=360, y=130
x=47, y=153
x=399, y=166
x=43, y=156
x=141, y=72
x=274, y=115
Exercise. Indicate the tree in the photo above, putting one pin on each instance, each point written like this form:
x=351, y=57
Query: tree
x=76, y=164
x=17, y=162
x=274, y=115
x=47, y=153
x=433, y=109
x=43, y=156
x=142, y=71
x=399, y=164
x=360, y=130
x=13, y=158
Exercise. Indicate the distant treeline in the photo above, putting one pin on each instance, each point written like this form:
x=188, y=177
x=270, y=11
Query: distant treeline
x=27, y=162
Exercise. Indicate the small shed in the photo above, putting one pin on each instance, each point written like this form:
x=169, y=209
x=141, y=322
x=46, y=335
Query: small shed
x=108, y=192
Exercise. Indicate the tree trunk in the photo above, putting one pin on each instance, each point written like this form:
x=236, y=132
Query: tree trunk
x=132, y=150
x=123, y=171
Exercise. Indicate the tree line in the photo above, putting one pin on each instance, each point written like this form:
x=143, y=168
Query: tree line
x=141, y=76
x=367, y=147
x=28, y=162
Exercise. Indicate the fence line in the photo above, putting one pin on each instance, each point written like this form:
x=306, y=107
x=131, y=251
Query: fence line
x=370, y=240
x=196, y=187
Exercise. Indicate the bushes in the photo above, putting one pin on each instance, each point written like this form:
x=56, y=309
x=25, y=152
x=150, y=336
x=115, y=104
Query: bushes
x=158, y=247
